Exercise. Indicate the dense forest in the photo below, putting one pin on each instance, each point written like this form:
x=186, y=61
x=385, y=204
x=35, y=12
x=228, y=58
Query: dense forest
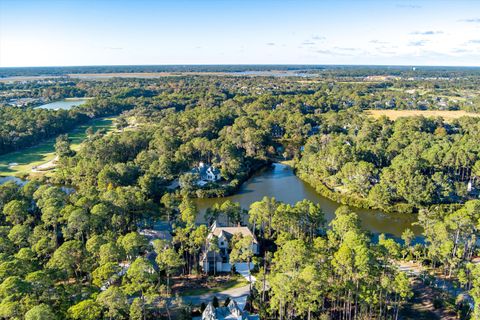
x=56, y=246
x=73, y=243
x=321, y=94
x=401, y=165
x=412, y=162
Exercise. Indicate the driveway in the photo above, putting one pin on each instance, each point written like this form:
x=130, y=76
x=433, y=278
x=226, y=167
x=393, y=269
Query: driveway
x=207, y=297
x=234, y=293
x=242, y=269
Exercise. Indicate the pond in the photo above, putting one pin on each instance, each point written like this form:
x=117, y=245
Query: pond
x=280, y=182
x=65, y=104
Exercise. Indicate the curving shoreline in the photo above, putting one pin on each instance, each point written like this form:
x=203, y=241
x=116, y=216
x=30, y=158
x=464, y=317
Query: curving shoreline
x=361, y=203
x=281, y=182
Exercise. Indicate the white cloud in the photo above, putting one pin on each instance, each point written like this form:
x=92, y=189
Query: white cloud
x=472, y=20
x=418, y=43
x=427, y=33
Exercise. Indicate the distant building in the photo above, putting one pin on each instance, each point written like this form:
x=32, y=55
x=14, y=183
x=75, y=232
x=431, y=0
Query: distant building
x=22, y=102
x=277, y=131
x=207, y=172
x=220, y=261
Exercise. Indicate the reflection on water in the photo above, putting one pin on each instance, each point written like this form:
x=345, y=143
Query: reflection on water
x=65, y=104
x=280, y=182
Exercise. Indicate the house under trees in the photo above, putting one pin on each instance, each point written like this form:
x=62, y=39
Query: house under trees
x=219, y=260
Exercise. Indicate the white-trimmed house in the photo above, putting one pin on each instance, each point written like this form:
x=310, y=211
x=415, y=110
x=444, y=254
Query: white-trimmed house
x=207, y=172
x=219, y=261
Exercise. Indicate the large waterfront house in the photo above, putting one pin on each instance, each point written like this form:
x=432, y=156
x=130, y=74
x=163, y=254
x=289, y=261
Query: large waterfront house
x=207, y=172
x=212, y=261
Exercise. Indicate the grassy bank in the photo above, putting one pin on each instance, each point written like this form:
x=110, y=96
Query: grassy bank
x=20, y=163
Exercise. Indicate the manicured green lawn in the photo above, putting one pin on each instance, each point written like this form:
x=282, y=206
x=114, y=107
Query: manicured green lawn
x=45, y=151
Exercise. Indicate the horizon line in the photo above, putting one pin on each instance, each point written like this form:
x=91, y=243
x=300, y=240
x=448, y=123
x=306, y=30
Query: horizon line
x=243, y=64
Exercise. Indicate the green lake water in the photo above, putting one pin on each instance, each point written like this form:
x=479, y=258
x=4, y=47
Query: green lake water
x=280, y=182
x=65, y=104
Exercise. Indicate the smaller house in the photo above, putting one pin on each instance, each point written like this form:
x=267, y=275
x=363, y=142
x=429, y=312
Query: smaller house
x=219, y=261
x=207, y=172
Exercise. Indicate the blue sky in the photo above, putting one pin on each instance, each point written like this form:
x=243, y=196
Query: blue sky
x=107, y=32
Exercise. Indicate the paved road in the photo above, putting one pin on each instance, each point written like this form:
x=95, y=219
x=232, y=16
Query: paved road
x=207, y=297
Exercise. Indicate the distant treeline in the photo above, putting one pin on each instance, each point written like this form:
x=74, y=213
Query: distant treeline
x=57, y=71
x=21, y=128
x=321, y=70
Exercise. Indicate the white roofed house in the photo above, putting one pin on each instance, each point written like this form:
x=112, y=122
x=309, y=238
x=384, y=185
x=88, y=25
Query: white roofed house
x=207, y=173
x=218, y=260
